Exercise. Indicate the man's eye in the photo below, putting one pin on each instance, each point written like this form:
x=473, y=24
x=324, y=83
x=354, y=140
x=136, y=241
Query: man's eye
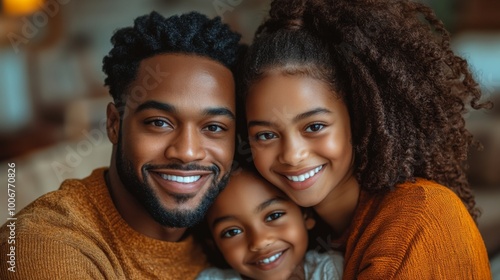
x=159, y=123
x=314, y=127
x=231, y=233
x=263, y=136
x=274, y=216
x=214, y=128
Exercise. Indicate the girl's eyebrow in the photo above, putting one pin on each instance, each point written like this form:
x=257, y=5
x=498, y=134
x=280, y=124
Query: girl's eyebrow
x=268, y=203
x=299, y=117
x=258, y=209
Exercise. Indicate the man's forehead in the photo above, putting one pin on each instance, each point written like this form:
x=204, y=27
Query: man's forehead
x=184, y=59
x=182, y=81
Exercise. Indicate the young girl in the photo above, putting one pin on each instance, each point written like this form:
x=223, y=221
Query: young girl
x=354, y=107
x=262, y=234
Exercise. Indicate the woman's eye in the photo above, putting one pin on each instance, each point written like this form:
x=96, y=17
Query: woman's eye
x=314, y=127
x=274, y=216
x=231, y=233
x=263, y=136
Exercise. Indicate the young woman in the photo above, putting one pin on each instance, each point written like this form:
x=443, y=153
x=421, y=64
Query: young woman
x=355, y=108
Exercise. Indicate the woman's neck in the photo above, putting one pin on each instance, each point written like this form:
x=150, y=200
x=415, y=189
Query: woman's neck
x=337, y=209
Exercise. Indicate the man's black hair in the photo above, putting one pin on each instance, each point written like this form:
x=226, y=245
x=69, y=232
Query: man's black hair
x=191, y=33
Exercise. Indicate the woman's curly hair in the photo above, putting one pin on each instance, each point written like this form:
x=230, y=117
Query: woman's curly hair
x=153, y=34
x=391, y=63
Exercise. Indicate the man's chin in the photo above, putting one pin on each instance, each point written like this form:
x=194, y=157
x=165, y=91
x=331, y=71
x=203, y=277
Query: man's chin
x=182, y=211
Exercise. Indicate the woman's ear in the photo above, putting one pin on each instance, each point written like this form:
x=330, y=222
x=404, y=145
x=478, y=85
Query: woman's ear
x=309, y=220
x=113, y=123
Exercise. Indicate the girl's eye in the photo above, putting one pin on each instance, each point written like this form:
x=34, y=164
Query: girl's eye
x=263, y=136
x=314, y=127
x=214, y=128
x=274, y=216
x=231, y=233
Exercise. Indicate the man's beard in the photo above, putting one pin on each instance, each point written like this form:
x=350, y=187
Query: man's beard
x=144, y=193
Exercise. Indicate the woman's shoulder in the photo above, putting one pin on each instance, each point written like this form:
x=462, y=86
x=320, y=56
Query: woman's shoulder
x=422, y=193
x=418, y=201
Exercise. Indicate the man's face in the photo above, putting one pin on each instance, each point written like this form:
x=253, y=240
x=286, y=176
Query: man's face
x=176, y=140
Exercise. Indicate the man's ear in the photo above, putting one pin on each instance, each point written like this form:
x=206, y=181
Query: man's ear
x=113, y=123
x=309, y=220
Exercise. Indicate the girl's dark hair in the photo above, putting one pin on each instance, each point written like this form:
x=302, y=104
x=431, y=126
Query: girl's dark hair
x=153, y=34
x=391, y=63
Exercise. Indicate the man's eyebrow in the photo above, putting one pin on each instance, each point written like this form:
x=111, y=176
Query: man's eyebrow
x=155, y=105
x=217, y=111
x=220, y=111
x=297, y=118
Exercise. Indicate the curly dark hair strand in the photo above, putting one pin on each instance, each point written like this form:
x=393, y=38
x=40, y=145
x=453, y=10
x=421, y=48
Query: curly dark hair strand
x=391, y=62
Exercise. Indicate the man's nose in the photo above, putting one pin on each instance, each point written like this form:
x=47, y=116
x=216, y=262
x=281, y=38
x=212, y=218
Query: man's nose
x=187, y=145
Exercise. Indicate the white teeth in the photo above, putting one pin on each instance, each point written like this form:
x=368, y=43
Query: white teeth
x=271, y=258
x=181, y=179
x=307, y=175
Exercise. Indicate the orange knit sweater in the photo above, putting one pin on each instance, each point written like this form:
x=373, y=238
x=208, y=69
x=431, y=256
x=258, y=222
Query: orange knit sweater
x=77, y=233
x=416, y=231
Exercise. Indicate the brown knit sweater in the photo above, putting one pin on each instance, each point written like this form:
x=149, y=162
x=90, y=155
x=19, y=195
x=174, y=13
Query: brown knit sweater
x=416, y=231
x=77, y=233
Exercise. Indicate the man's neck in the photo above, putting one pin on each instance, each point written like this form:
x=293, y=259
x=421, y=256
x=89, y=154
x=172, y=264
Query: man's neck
x=135, y=214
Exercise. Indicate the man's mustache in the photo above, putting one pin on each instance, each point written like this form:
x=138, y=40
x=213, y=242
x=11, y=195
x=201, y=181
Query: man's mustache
x=184, y=167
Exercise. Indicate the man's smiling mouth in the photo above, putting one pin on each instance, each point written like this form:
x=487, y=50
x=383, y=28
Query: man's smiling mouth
x=181, y=179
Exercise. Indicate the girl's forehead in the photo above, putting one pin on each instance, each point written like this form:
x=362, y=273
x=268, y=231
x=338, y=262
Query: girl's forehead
x=281, y=98
x=244, y=193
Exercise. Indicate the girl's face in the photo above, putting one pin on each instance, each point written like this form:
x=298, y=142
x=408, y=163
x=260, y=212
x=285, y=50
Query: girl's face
x=300, y=136
x=261, y=233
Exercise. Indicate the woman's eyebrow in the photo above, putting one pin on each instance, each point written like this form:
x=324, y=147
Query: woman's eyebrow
x=259, y=123
x=315, y=111
x=299, y=117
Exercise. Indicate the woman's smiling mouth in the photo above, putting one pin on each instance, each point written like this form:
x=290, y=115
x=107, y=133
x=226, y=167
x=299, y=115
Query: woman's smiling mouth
x=305, y=176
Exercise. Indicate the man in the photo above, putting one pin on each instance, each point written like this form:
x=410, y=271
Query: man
x=172, y=125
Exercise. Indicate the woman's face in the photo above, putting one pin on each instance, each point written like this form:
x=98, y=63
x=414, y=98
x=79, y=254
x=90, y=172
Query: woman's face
x=300, y=136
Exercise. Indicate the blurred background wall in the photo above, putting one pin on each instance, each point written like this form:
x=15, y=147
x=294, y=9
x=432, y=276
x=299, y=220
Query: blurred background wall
x=52, y=98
